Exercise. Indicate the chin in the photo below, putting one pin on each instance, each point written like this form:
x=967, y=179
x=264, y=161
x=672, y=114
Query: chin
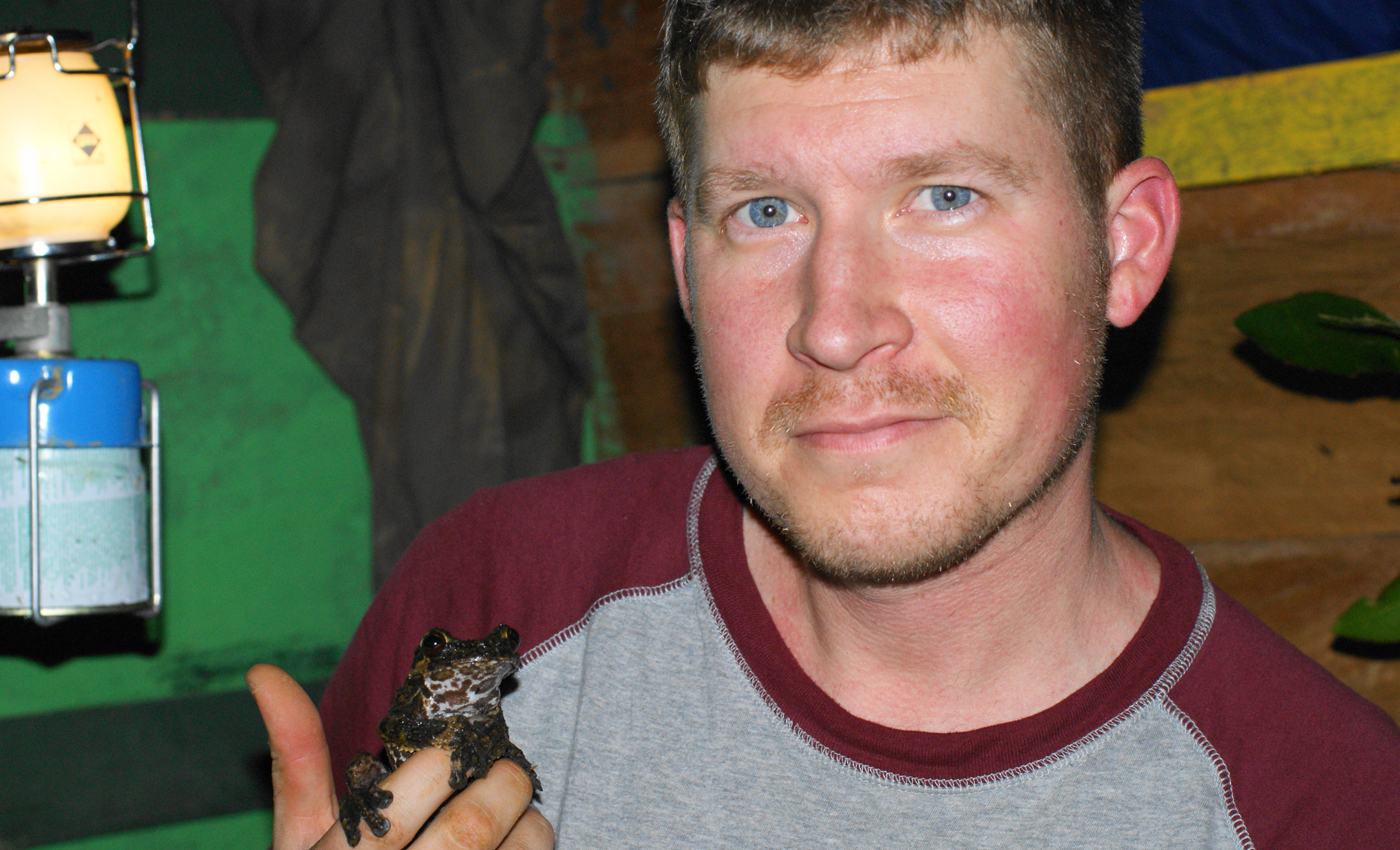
x=894, y=547
x=869, y=541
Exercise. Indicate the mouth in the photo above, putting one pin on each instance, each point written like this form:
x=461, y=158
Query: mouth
x=867, y=413
x=859, y=435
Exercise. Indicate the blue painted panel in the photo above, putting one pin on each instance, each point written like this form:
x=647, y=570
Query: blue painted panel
x=1190, y=40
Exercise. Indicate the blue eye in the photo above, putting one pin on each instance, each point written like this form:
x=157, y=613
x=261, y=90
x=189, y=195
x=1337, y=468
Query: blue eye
x=768, y=212
x=946, y=198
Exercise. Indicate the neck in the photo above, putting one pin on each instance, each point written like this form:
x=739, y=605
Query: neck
x=1047, y=604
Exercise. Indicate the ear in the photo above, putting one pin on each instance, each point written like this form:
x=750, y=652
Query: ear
x=1144, y=214
x=675, y=225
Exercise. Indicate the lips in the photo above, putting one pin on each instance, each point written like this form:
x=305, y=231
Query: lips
x=855, y=424
x=862, y=434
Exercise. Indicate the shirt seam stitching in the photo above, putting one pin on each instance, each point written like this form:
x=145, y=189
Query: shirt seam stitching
x=1156, y=693
x=577, y=627
x=1222, y=771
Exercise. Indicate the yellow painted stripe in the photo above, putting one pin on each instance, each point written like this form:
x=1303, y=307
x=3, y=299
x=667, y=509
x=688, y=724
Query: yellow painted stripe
x=1304, y=120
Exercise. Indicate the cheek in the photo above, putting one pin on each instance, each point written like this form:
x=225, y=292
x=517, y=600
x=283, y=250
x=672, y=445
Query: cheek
x=1013, y=334
x=741, y=310
x=1002, y=312
x=726, y=351
x=1000, y=295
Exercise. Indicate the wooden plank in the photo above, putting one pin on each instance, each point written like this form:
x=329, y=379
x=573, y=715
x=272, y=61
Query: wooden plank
x=1306, y=120
x=1213, y=444
x=604, y=68
x=656, y=390
x=604, y=55
x=629, y=266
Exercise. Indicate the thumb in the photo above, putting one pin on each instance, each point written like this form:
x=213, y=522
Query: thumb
x=303, y=789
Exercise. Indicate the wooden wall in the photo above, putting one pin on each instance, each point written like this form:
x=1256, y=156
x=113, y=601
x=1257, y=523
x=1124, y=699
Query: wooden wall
x=1219, y=444
x=1282, y=482
x=604, y=54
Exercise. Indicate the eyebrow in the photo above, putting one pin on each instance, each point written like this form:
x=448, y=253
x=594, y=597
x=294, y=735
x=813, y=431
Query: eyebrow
x=719, y=182
x=963, y=157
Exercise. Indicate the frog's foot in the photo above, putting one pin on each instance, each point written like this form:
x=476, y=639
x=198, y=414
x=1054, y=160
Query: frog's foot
x=469, y=764
x=466, y=766
x=364, y=799
x=514, y=754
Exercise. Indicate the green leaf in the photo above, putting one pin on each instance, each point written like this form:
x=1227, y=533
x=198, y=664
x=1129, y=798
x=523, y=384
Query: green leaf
x=1374, y=622
x=1325, y=333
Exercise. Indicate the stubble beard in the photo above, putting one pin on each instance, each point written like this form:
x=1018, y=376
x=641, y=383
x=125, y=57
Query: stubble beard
x=854, y=549
x=902, y=543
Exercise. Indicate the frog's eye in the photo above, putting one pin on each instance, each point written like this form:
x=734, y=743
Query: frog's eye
x=507, y=636
x=433, y=642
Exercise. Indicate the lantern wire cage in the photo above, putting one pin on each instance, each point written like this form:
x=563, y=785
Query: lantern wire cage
x=124, y=76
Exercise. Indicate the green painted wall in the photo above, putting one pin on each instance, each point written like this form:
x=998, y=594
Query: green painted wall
x=266, y=493
x=248, y=831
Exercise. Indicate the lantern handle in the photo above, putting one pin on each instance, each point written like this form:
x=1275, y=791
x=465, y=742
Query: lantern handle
x=153, y=522
x=128, y=48
x=50, y=386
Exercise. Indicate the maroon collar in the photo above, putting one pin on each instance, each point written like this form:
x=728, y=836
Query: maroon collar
x=944, y=757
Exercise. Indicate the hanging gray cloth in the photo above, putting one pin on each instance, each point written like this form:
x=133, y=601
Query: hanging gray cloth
x=405, y=220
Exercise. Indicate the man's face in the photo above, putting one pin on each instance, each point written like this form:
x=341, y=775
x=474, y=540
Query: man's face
x=895, y=308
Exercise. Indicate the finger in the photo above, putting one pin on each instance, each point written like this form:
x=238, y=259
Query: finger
x=488, y=811
x=303, y=791
x=531, y=832
x=419, y=787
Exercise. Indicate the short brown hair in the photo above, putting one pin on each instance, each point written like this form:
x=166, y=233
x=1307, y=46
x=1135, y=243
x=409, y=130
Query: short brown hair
x=1082, y=63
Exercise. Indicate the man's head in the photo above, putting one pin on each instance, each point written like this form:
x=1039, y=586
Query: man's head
x=1081, y=62
x=898, y=280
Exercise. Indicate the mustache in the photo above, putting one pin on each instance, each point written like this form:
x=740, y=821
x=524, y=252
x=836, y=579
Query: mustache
x=902, y=389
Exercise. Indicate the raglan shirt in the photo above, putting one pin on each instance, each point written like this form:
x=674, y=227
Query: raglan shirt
x=661, y=707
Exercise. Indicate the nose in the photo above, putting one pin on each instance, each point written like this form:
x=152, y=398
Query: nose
x=851, y=313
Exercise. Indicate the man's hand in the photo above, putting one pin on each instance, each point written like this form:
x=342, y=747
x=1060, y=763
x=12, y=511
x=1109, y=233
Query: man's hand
x=493, y=812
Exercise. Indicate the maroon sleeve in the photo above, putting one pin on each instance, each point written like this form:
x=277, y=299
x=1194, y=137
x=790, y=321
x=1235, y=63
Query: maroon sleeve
x=1311, y=764
x=535, y=554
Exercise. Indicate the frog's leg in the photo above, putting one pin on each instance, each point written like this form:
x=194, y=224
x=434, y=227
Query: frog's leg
x=477, y=745
x=365, y=799
x=471, y=754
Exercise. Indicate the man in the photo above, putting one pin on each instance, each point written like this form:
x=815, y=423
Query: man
x=894, y=615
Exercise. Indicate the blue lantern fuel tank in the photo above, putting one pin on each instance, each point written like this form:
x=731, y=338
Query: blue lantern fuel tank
x=97, y=511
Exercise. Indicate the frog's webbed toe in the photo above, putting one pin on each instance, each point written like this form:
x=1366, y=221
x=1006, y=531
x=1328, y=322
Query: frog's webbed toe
x=466, y=766
x=364, y=799
x=471, y=754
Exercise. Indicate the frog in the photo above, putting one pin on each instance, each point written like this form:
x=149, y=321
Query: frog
x=450, y=700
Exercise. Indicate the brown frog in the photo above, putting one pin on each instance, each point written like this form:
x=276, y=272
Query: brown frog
x=450, y=700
